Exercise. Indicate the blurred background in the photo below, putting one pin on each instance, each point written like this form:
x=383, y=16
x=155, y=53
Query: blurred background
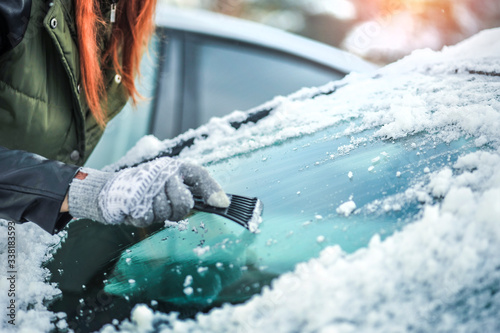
x=381, y=31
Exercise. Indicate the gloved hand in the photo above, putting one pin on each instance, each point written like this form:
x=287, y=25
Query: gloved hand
x=156, y=191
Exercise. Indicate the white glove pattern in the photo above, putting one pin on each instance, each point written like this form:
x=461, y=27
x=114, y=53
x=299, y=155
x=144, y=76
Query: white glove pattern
x=130, y=193
x=156, y=191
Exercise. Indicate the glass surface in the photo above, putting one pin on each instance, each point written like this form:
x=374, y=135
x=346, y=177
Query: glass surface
x=232, y=76
x=132, y=123
x=207, y=260
x=302, y=182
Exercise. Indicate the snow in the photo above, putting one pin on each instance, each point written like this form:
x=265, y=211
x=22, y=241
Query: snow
x=346, y=208
x=218, y=199
x=438, y=274
x=188, y=281
x=188, y=291
x=256, y=219
x=201, y=250
x=31, y=291
x=142, y=317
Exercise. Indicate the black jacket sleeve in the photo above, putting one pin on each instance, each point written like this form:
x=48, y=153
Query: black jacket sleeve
x=14, y=18
x=32, y=188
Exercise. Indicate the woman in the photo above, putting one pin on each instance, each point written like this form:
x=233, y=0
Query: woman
x=66, y=68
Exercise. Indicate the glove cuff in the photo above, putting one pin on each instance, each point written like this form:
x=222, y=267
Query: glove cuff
x=84, y=193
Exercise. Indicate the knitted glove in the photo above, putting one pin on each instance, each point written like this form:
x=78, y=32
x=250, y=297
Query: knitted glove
x=156, y=191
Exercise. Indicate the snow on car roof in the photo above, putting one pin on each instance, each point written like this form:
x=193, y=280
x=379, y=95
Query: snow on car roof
x=434, y=275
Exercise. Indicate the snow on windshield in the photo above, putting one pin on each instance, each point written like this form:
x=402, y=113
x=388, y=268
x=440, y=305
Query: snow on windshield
x=440, y=273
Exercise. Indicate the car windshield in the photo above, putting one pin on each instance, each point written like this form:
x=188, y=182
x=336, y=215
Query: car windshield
x=380, y=213
x=310, y=192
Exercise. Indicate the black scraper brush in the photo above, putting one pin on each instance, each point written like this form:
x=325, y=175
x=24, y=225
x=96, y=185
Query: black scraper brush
x=243, y=210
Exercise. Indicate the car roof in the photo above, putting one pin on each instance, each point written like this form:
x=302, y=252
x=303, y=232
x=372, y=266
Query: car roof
x=223, y=26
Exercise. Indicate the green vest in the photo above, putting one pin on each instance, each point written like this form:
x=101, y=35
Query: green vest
x=42, y=104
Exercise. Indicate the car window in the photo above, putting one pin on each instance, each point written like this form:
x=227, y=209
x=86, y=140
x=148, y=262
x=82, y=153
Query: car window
x=227, y=75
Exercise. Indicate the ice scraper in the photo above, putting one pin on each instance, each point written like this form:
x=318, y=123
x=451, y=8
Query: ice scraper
x=243, y=210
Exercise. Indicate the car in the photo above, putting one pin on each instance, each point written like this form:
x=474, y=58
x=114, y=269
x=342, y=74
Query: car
x=202, y=65
x=380, y=213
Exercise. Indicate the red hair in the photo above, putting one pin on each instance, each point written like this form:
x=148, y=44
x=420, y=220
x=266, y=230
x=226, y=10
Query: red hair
x=130, y=34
